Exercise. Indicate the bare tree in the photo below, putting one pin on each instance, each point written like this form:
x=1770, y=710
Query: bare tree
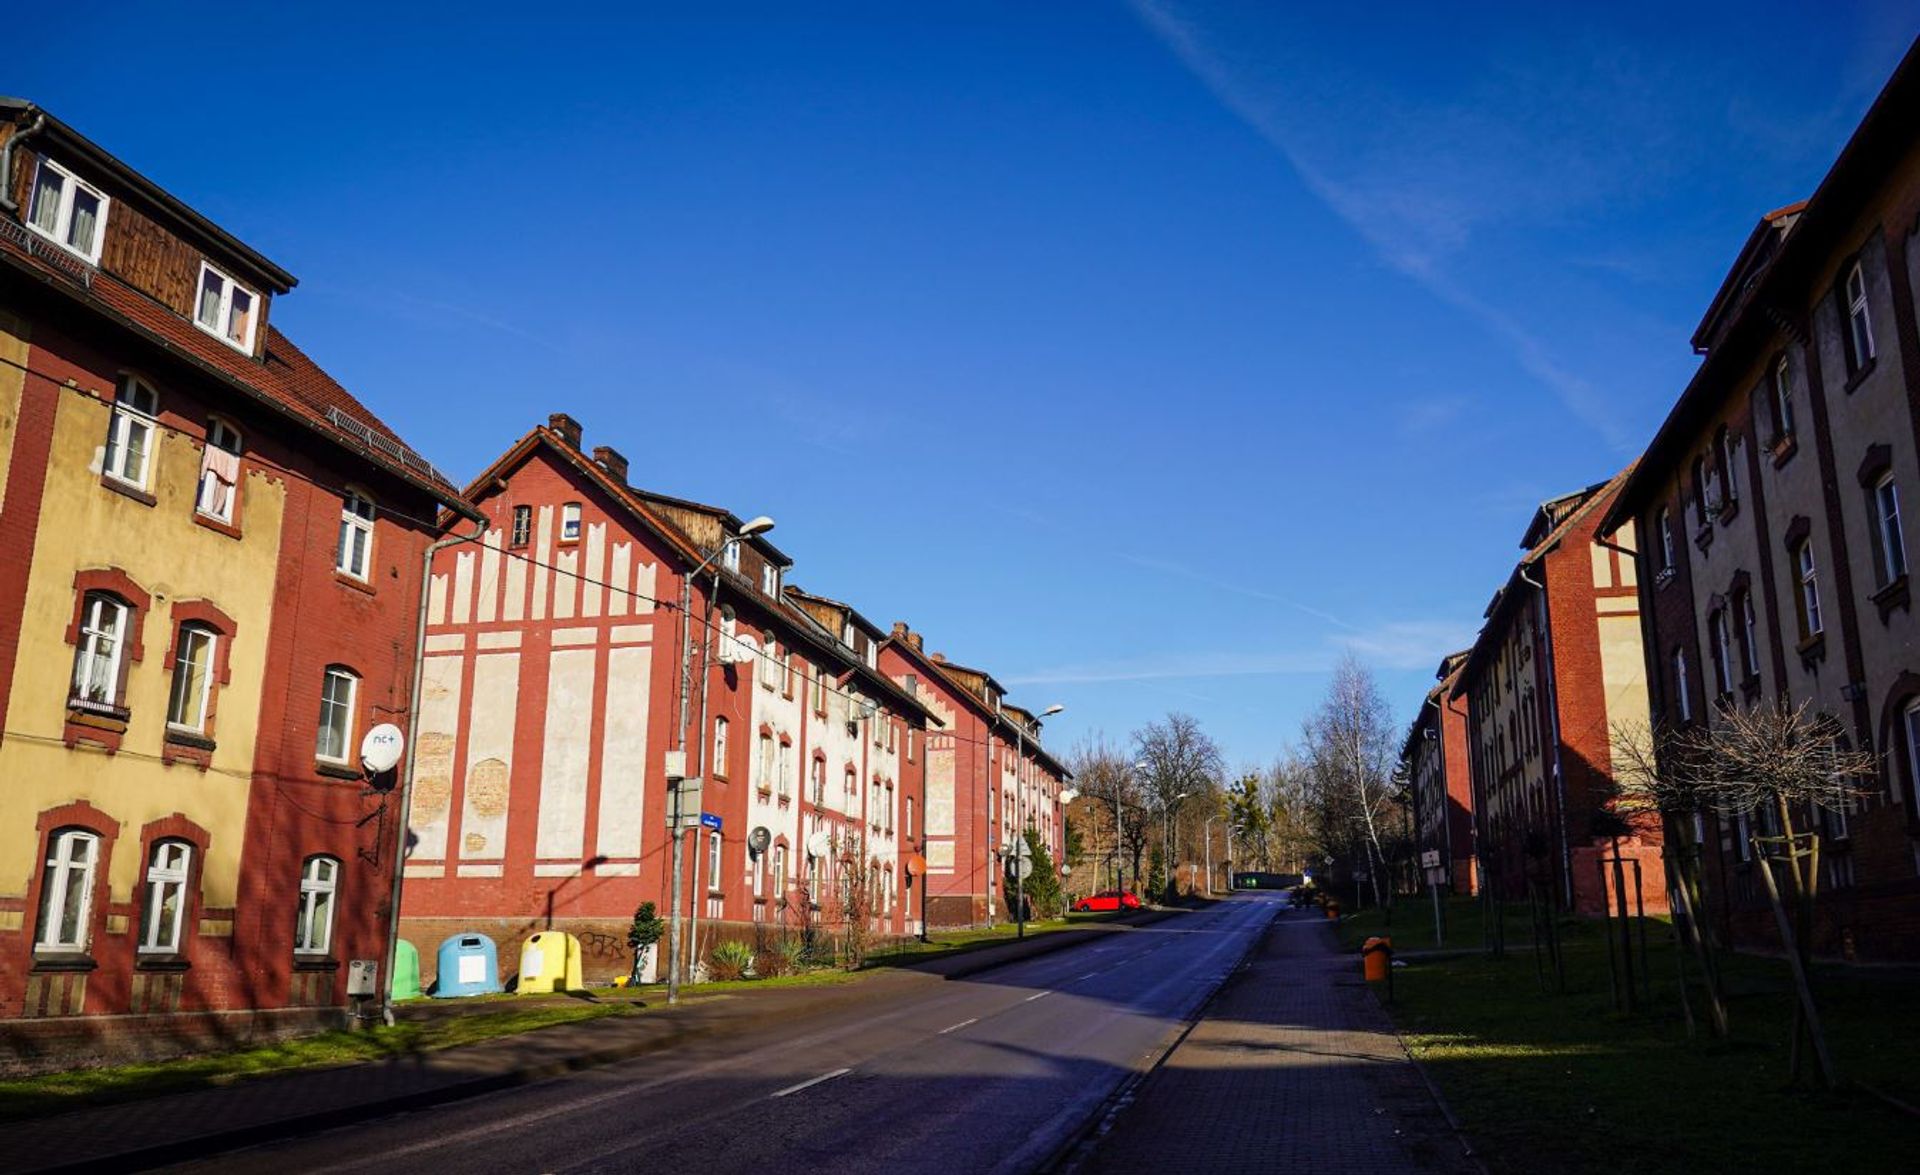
x=1285, y=793
x=856, y=878
x=1351, y=750
x=1103, y=771
x=1182, y=762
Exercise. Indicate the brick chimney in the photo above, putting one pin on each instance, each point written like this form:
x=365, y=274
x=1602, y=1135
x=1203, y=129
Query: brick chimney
x=610, y=459
x=939, y=658
x=567, y=427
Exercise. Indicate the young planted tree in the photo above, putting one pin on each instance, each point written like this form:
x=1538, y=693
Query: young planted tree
x=1042, y=887
x=1654, y=772
x=645, y=931
x=856, y=876
x=1784, y=765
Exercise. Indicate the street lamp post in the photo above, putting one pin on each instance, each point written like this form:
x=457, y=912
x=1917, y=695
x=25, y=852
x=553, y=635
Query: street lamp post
x=675, y=787
x=1207, y=833
x=1166, y=834
x=1019, y=826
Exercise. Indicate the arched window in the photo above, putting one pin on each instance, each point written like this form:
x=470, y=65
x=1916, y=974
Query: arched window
x=719, y=746
x=1859, y=325
x=166, y=897
x=355, y=554
x=1782, y=397
x=66, y=890
x=1808, y=574
x=99, y=656
x=313, y=926
x=338, y=690
x=193, y=660
x=130, y=434
x=219, y=472
x=779, y=871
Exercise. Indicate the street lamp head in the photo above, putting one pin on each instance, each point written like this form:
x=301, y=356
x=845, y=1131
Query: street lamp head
x=760, y=525
x=1050, y=711
x=1143, y=765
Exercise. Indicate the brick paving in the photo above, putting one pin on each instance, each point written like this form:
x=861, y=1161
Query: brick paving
x=1293, y=1067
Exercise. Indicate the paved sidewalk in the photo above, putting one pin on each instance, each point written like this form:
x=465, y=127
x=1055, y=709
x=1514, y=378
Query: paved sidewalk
x=1293, y=1067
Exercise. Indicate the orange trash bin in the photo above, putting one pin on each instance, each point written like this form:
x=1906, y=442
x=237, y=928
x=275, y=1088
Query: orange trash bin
x=1376, y=955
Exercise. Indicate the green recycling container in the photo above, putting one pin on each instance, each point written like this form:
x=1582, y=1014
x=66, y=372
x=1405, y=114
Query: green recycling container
x=406, y=971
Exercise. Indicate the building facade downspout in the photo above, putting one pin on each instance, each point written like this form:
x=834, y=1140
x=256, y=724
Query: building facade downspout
x=6, y=160
x=1553, y=715
x=413, y=742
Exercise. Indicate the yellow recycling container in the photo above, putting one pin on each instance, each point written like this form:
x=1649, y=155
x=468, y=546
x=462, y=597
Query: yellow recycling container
x=550, y=962
x=1376, y=956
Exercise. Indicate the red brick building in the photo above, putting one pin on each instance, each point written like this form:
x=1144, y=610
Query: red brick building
x=1774, y=565
x=553, y=691
x=213, y=574
x=1556, y=669
x=1439, y=769
x=986, y=777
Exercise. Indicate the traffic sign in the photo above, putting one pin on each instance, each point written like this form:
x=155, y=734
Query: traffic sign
x=1020, y=850
x=1020, y=867
x=710, y=820
x=1430, y=859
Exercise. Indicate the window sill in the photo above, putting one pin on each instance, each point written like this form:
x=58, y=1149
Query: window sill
x=1894, y=596
x=189, y=738
x=765, y=793
x=183, y=746
x=62, y=961
x=1783, y=448
x=1812, y=648
x=128, y=490
x=313, y=963
x=335, y=770
x=216, y=525
x=1750, y=686
x=170, y=961
x=103, y=727
x=1729, y=512
x=1859, y=376
x=786, y=801
x=1703, y=538
x=345, y=579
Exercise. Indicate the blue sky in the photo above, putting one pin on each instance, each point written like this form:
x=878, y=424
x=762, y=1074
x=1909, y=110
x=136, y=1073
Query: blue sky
x=1147, y=355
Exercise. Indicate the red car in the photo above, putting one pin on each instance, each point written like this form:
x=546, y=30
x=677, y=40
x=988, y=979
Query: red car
x=1112, y=899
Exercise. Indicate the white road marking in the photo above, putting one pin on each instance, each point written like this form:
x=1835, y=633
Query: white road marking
x=1088, y=975
x=957, y=1027
x=1036, y=995
x=810, y=1082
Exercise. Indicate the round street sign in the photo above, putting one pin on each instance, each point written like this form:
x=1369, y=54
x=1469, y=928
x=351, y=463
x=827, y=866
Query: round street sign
x=1020, y=850
x=380, y=750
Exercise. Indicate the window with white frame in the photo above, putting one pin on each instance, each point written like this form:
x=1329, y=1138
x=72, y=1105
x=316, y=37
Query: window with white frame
x=783, y=768
x=765, y=779
x=1682, y=691
x=570, y=522
x=786, y=672
x=876, y=794
x=779, y=871
x=66, y=890
x=1809, y=589
x=713, y=860
x=337, y=692
x=166, y=897
x=770, y=579
x=1783, y=396
x=770, y=661
x=225, y=309
x=1886, y=511
x=730, y=555
x=101, y=648
x=719, y=746
x=1859, y=324
x=219, y=472
x=354, y=555
x=1722, y=651
x=1749, y=636
x=313, y=924
x=819, y=690
x=819, y=782
x=187, y=700
x=906, y=819
x=68, y=211
x=131, y=430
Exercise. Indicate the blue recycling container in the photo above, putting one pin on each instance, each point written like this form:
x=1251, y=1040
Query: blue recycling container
x=469, y=965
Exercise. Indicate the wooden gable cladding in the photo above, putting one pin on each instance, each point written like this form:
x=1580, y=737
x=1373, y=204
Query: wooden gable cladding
x=139, y=249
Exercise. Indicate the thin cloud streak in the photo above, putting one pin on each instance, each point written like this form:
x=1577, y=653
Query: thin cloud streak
x=1376, y=220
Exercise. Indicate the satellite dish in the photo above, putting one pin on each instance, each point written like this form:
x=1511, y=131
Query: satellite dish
x=380, y=750
x=759, y=839
x=819, y=844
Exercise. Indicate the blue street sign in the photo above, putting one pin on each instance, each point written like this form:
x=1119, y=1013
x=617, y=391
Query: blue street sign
x=710, y=820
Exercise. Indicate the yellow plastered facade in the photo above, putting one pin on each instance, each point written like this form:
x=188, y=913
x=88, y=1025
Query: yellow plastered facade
x=84, y=525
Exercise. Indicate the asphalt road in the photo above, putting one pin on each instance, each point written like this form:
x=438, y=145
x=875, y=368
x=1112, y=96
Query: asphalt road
x=992, y=1073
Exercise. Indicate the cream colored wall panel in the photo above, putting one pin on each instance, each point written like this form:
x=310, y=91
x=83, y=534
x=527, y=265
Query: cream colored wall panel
x=484, y=799
x=440, y=716
x=561, y=831
x=619, y=579
x=623, y=753
x=594, y=571
x=566, y=583
x=488, y=605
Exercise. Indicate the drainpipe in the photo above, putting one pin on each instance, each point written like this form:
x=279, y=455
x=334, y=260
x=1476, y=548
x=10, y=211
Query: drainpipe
x=6, y=160
x=1553, y=714
x=413, y=737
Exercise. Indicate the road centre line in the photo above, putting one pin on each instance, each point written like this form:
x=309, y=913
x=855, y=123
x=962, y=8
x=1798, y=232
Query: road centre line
x=1036, y=995
x=957, y=1027
x=810, y=1082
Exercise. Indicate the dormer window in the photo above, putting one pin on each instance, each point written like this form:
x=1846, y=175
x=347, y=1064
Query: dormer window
x=225, y=309
x=846, y=634
x=770, y=580
x=730, y=556
x=68, y=212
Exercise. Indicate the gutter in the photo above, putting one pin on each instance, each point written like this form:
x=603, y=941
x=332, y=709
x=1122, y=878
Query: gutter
x=6, y=159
